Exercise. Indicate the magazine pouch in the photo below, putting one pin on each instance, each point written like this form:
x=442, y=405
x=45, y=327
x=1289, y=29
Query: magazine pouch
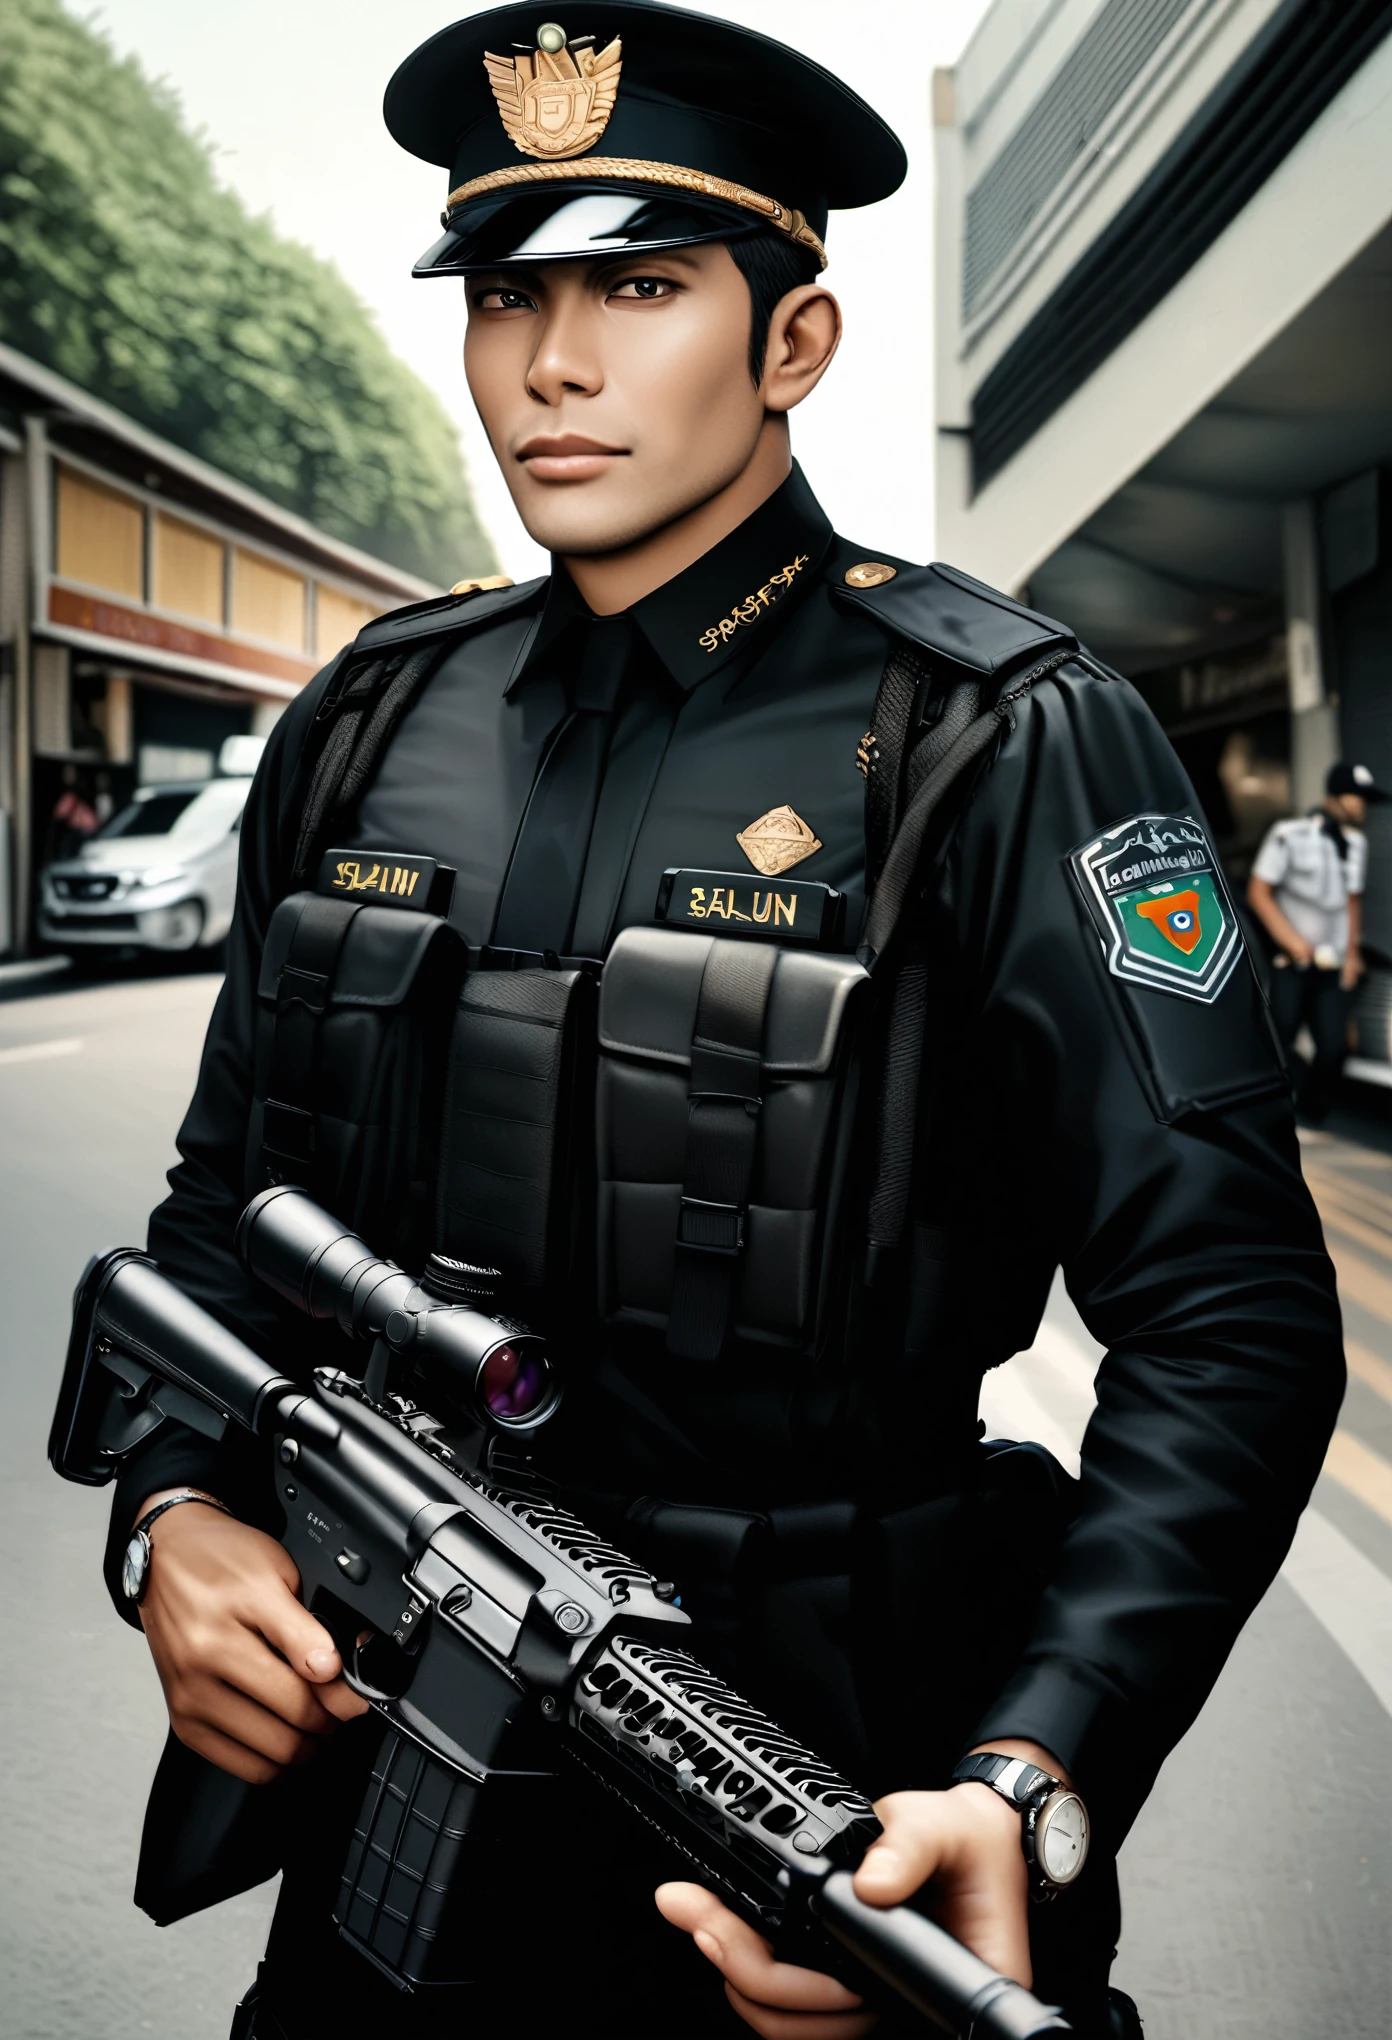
x=726, y=1098
x=517, y=1153
x=354, y=1006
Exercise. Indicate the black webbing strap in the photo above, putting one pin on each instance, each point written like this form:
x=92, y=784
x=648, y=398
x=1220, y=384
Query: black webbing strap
x=941, y=759
x=302, y=995
x=721, y=1131
x=898, y=1104
x=362, y=711
x=883, y=748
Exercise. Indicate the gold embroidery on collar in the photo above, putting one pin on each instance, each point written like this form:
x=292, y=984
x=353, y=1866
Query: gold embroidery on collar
x=753, y=606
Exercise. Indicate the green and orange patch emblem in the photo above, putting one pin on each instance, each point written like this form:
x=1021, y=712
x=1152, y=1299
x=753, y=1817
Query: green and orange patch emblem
x=1154, y=890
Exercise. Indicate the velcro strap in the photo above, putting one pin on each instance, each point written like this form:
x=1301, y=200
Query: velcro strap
x=302, y=997
x=721, y=1136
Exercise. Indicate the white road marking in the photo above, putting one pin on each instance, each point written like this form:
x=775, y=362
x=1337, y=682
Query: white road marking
x=40, y=1051
x=1349, y=1596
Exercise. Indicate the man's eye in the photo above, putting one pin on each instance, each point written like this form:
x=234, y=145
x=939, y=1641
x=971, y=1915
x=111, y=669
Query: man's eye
x=500, y=300
x=642, y=287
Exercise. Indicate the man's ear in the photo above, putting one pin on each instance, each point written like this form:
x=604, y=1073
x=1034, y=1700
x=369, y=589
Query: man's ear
x=804, y=334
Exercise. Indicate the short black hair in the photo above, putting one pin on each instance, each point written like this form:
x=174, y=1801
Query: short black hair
x=772, y=266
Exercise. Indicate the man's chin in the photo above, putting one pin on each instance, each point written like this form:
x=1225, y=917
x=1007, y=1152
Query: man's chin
x=570, y=525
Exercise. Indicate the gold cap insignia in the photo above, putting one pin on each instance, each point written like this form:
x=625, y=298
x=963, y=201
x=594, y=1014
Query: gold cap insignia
x=869, y=574
x=777, y=841
x=558, y=102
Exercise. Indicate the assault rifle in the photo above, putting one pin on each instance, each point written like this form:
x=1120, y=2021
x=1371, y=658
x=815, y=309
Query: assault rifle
x=492, y=1620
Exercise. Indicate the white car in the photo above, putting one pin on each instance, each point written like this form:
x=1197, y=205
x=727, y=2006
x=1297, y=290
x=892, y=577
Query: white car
x=161, y=874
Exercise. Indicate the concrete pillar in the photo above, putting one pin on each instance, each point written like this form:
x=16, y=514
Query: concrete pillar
x=1314, y=717
x=118, y=726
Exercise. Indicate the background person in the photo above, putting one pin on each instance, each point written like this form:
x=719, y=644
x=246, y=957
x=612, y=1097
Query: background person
x=1306, y=889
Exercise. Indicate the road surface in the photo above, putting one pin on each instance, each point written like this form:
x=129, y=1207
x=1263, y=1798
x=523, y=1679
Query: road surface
x=1256, y=1884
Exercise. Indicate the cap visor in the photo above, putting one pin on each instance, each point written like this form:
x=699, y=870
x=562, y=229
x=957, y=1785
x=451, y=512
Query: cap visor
x=584, y=222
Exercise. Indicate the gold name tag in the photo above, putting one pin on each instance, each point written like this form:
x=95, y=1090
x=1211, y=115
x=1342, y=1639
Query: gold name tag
x=736, y=903
x=386, y=878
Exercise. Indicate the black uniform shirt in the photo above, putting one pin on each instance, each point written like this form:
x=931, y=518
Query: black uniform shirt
x=561, y=817
x=1079, y=1117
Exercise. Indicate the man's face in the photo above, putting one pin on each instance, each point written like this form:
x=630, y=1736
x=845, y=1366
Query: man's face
x=616, y=395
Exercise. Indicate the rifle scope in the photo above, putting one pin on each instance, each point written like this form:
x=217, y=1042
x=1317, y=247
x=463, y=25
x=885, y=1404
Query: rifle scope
x=494, y=1368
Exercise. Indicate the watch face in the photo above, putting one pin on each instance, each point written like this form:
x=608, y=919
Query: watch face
x=135, y=1566
x=1061, y=1837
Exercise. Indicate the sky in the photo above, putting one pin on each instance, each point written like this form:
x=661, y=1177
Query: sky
x=289, y=94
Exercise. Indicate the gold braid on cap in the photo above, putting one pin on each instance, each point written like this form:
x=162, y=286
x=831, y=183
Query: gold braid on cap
x=634, y=170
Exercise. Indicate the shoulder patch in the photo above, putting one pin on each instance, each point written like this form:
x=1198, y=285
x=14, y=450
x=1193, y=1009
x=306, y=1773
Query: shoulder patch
x=1155, y=893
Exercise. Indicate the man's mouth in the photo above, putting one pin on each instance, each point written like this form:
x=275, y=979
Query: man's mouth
x=567, y=457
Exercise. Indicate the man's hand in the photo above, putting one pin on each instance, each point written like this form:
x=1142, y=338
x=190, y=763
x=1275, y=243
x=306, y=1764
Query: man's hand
x=250, y=1679
x=1352, y=971
x=779, y=2001
x=967, y=1841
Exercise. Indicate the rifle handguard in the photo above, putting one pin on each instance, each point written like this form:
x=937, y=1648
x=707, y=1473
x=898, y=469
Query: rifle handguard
x=908, y=1951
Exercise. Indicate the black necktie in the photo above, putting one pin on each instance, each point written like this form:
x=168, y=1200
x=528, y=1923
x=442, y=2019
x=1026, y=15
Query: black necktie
x=537, y=907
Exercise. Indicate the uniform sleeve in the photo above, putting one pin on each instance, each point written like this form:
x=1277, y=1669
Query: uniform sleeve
x=1143, y=1140
x=191, y=1235
x=1273, y=857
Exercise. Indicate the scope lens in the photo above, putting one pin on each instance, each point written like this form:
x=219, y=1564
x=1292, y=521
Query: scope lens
x=513, y=1384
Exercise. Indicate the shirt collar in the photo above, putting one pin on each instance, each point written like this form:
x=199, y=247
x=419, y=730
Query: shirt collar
x=702, y=618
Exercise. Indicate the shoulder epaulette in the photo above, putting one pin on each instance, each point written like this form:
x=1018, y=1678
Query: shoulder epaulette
x=961, y=623
x=469, y=604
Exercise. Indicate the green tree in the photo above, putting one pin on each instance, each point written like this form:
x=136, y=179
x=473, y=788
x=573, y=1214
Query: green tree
x=127, y=267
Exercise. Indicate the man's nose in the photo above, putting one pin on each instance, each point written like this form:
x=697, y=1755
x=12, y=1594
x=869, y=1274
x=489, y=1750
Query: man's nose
x=566, y=361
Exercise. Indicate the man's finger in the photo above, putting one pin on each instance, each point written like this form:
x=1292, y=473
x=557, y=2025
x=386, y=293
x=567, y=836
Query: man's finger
x=304, y=1643
x=244, y=1720
x=230, y=1756
x=250, y=1667
x=774, y=2025
x=340, y=1700
x=745, y=1959
x=908, y=1853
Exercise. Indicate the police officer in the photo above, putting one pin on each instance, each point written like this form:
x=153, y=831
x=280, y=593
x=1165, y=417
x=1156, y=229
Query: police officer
x=1306, y=889
x=712, y=681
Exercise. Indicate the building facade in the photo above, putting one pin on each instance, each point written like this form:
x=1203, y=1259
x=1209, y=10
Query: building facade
x=150, y=608
x=1164, y=386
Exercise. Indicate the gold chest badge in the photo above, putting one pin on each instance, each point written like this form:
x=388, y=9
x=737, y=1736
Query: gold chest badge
x=777, y=841
x=558, y=102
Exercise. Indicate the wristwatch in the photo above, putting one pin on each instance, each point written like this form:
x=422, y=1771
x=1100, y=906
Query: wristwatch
x=135, y=1565
x=1056, y=1828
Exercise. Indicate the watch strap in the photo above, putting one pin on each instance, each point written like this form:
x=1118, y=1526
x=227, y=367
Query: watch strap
x=1012, y=1777
x=191, y=1494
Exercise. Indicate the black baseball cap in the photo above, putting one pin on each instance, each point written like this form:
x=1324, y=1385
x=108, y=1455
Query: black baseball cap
x=1342, y=778
x=618, y=125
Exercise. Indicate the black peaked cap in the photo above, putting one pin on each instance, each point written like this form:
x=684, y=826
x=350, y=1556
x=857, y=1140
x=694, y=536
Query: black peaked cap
x=705, y=124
